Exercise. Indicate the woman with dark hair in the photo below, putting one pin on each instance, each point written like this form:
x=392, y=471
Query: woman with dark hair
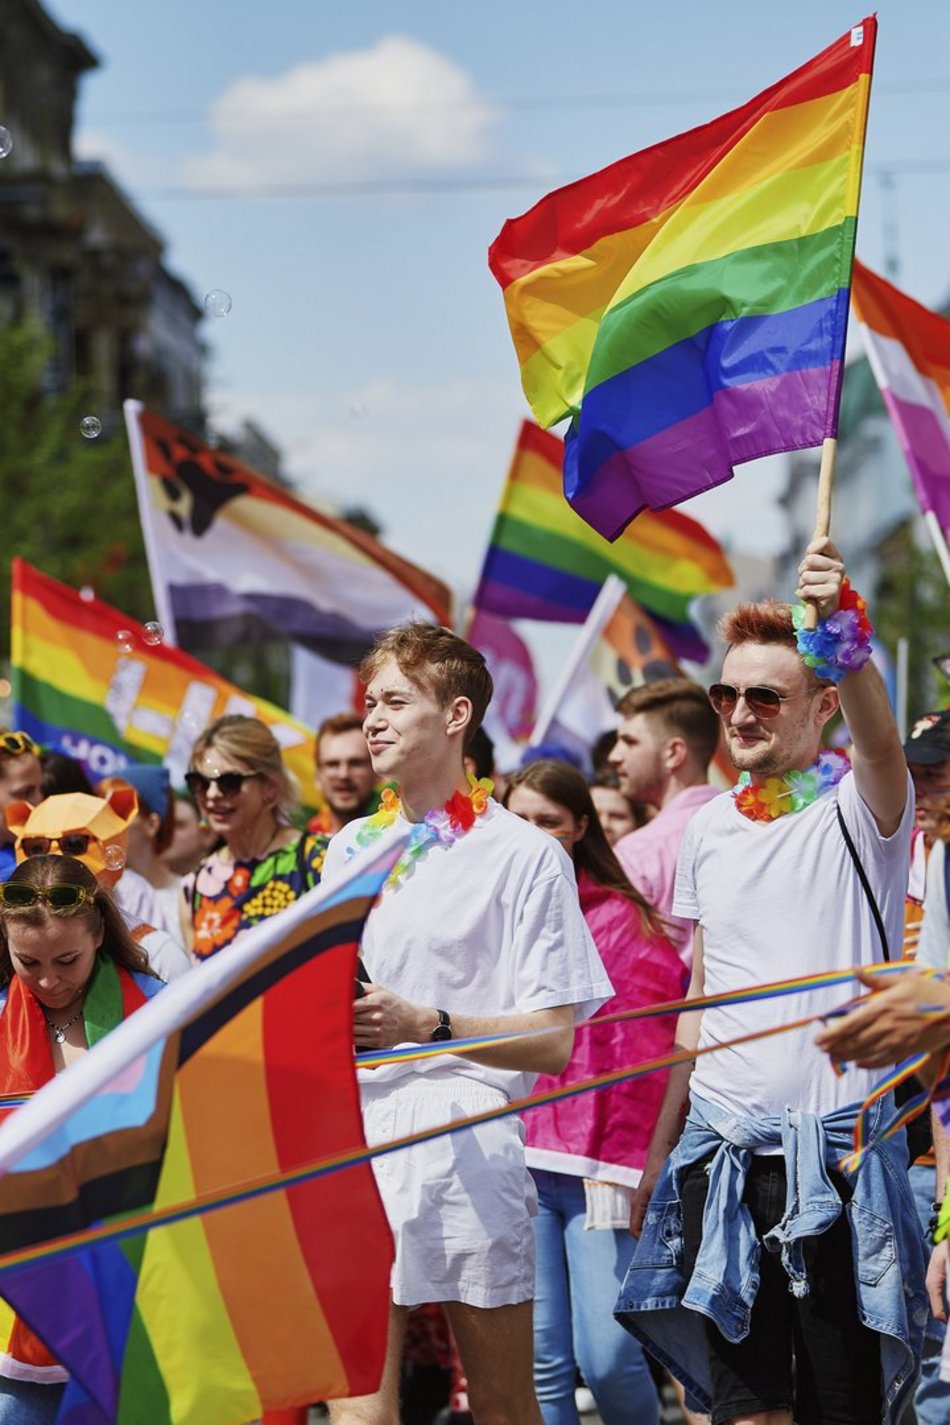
x=69, y=973
x=587, y=1153
x=243, y=790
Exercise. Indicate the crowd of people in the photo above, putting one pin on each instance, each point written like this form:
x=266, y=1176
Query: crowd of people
x=692, y=1232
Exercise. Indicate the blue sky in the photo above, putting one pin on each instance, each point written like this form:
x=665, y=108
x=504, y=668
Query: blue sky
x=367, y=335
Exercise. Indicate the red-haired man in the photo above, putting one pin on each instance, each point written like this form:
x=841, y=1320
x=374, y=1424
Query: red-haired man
x=773, y=1282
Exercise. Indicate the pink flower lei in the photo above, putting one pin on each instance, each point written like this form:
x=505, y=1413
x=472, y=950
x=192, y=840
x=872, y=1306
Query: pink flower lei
x=777, y=796
x=441, y=827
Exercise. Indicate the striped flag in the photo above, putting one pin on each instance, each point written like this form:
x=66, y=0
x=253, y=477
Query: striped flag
x=687, y=307
x=168, y=1223
x=543, y=562
x=234, y=557
x=908, y=347
x=96, y=683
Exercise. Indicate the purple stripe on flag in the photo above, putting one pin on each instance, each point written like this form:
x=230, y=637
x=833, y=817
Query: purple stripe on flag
x=61, y=1303
x=518, y=603
x=925, y=447
x=789, y=412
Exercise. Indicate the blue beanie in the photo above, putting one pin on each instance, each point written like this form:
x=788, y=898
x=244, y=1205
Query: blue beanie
x=152, y=783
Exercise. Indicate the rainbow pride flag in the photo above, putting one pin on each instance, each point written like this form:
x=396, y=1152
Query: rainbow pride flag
x=543, y=561
x=908, y=347
x=264, y=1287
x=687, y=307
x=88, y=679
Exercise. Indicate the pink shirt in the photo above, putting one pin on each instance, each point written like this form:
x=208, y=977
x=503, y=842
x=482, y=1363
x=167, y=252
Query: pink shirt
x=648, y=855
x=606, y=1134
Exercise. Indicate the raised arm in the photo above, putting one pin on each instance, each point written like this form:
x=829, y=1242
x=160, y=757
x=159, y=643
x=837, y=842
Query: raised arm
x=880, y=770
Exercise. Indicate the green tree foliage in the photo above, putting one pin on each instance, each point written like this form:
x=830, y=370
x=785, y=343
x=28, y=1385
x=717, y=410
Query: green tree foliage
x=912, y=601
x=68, y=503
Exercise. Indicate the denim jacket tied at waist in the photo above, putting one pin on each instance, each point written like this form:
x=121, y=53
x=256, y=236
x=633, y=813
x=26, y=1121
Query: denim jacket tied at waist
x=665, y=1310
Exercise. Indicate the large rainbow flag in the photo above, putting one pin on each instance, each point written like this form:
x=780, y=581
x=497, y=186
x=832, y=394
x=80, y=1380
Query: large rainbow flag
x=908, y=347
x=90, y=680
x=544, y=562
x=265, y=1287
x=687, y=307
x=235, y=557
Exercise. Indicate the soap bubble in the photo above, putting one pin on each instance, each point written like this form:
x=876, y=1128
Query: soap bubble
x=217, y=302
x=87, y=593
x=114, y=857
x=6, y=141
x=153, y=634
x=124, y=640
x=91, y=426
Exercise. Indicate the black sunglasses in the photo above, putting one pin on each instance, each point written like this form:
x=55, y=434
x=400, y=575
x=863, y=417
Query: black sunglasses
x=762, y=702
x=227, y=783
x=71, y=843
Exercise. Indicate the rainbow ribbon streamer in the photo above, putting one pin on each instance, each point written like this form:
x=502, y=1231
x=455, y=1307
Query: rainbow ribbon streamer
x=134, y=1224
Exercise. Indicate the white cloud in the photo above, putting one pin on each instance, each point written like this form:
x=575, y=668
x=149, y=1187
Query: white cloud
x=398, y=106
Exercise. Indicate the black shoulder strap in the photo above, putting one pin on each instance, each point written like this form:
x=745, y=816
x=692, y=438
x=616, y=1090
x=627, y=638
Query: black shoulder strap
x=865, y=883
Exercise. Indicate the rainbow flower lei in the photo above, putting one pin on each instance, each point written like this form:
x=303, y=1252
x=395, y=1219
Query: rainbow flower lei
x=441, y=827
x=776, y=796
x=842, y=642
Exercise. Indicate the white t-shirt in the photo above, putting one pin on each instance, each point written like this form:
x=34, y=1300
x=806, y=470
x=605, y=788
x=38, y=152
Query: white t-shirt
x=488, y=926
x=775, y=901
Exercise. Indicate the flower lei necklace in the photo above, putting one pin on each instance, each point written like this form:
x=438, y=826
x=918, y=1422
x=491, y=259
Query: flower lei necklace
x=441, y=827
x=794, y=791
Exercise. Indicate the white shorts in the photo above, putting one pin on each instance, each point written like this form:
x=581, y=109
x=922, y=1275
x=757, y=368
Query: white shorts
x=460, y=1207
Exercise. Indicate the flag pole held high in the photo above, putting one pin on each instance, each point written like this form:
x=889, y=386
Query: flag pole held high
x=687, y=307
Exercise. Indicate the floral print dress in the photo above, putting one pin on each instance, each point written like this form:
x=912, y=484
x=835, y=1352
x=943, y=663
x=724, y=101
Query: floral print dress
x=227, y=897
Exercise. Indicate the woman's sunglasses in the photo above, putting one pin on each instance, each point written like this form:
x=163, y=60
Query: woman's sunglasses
x=762, y=702
x=71, y=843
x=17, y=895
x=17, y=742
x=227, y=783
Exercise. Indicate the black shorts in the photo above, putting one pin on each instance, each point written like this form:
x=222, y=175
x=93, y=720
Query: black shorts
x=808, y=1354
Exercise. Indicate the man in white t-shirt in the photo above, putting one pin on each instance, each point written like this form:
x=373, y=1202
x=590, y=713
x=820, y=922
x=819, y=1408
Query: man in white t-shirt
x=766, y=1269
x=479, y=933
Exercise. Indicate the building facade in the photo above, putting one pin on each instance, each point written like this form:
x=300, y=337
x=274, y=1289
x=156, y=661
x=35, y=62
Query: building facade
x=75, y=253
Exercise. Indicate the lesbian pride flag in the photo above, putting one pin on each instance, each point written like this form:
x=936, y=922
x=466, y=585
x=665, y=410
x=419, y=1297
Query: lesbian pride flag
x=687, y=307
x=908, y=347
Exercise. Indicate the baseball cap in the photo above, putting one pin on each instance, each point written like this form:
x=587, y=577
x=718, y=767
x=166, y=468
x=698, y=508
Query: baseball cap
x=929, y=741
x=151, y=781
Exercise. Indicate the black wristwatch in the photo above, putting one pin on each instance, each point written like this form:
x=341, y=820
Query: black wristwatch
x=443, y=1030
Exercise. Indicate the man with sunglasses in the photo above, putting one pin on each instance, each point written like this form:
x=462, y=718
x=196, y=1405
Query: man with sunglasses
x=21, y=780
x=754, y=1247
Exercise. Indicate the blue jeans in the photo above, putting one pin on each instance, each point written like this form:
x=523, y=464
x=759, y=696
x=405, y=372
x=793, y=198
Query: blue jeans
x=579, y=1273
x=22, y=1402
x=932, y=1400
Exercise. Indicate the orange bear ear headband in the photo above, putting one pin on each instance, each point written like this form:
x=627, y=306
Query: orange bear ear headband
x=105, y=820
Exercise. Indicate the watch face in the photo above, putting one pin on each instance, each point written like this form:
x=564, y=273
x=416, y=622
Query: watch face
x=441, y=1031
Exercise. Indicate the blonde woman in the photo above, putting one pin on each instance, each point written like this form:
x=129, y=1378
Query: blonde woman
x=245, y=793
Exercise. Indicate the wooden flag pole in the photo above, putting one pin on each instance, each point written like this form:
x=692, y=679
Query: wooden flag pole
x=826, y=480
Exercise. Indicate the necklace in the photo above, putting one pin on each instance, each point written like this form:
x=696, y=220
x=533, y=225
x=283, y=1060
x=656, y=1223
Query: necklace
x=441, y=827
x=777, y=796
x=58, y=1031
